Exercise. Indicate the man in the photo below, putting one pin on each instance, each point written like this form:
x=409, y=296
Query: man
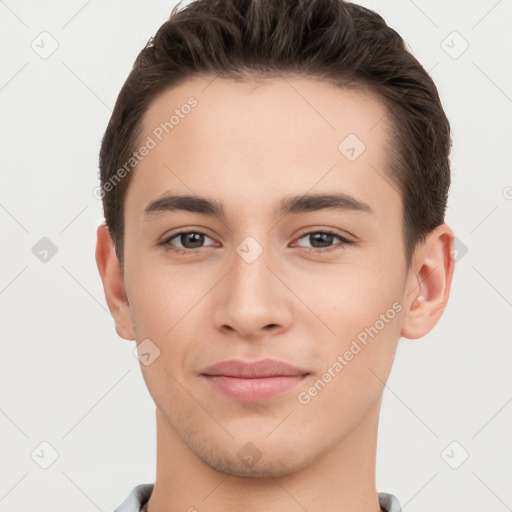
x=274, y=180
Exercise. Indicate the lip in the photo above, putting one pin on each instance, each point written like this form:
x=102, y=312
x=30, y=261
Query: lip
x=253, y=369
x=253, y=381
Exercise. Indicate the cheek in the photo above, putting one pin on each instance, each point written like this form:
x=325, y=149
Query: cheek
x=362, y=307
x=356, y=363
x=352, y=295
x=161, y=295
x=163, y=302
x=168, y=307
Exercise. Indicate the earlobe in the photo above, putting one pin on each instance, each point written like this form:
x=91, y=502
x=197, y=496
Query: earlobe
x=113, y=283
x=429, y=284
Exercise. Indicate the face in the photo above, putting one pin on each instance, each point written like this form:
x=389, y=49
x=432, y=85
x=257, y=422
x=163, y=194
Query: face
x=315, y=283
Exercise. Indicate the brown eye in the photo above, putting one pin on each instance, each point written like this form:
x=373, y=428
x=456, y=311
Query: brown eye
x=185, y=241
x=322, y=240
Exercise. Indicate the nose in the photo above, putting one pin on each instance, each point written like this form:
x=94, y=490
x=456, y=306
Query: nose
x=252, y=299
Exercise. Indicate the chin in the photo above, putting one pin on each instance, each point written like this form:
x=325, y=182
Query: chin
x=261, y=459
x=268, y=468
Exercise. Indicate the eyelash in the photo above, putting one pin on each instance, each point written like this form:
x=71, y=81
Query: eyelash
x=166, y=243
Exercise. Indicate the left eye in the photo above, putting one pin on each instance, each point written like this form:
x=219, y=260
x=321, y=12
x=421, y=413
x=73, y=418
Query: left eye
x=323, y=238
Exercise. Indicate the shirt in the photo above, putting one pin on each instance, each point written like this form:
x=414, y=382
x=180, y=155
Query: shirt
x=139, y=496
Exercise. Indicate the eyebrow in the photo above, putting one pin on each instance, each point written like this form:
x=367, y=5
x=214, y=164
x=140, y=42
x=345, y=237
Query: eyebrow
x=288, y=205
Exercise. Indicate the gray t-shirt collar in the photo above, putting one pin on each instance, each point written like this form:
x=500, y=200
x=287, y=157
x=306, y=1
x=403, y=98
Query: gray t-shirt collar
x=140, y=495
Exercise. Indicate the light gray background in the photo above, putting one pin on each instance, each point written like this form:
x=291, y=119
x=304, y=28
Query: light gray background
x=68, y=380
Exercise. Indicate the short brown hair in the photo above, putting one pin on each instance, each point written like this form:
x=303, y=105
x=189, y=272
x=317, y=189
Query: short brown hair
x=344, y=43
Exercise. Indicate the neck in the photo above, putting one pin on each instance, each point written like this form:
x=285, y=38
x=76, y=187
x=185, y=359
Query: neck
x=340, y=480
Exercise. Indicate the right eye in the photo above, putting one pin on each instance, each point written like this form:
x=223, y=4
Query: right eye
x=190, y=241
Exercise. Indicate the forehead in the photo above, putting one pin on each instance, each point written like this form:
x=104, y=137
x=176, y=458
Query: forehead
x=240, y=141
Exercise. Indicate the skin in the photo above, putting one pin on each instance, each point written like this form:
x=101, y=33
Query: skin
x=248, y=145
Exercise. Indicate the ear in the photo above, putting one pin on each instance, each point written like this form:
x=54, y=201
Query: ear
x=429, y=282
x=113, y=283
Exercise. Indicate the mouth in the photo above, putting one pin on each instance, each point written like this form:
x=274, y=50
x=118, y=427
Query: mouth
x=253, y=381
